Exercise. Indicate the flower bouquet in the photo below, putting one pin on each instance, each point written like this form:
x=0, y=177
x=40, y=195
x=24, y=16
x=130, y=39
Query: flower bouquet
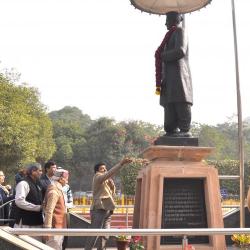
x=135, y=243
x=241, y=240
x=122, y=242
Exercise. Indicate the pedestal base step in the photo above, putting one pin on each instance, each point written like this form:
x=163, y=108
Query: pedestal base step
x=177, y=141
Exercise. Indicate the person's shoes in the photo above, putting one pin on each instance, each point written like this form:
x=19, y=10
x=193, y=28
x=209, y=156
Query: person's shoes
x=172, y=133
x=179, y=134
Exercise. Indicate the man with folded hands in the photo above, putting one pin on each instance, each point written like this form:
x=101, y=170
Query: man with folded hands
x=55, y=208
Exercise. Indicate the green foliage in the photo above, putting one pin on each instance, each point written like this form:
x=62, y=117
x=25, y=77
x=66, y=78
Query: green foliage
x=81, y=142
x=211, y=137
x=231, y=167
x=129, y=173
x=138, y=136
x=69, y=125
x=105, y=141
x=69, y=122
x=109, y=141
x=224, y=138
x=69, y=131
x=25, y=128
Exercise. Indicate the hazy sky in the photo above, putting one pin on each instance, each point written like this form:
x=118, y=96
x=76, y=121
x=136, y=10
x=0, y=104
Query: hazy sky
x=99, y=56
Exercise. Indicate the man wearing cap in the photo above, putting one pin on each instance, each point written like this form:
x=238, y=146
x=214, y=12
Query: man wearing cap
x=173, y=78
x=28, y=199
x=103, y=200
x=55, y=208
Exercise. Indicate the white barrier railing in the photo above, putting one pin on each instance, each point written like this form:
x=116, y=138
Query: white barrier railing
x=116, y=206
x=132, y=206
x=131, y=232
x=229, y=177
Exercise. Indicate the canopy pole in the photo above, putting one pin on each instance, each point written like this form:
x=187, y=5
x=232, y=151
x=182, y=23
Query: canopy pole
x=240, y=127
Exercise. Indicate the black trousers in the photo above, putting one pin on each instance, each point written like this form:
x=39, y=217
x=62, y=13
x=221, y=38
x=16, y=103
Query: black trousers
x=177, y=116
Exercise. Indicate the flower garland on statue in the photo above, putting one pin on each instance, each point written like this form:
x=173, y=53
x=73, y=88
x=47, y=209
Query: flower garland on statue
x=158, y=60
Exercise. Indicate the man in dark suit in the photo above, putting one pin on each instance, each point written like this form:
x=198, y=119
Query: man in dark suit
x=46, y=178
x=176, y=94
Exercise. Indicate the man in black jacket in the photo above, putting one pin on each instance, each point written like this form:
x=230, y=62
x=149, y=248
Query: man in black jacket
x=29, y=199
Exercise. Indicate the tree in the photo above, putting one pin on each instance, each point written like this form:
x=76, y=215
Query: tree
x=139, y=136
x=25, y=128
x=129, y=174
x=224, y=138
x=210, y=136
x=69, y=127
x=104, y=143
x=82, y=142
x=231, y=167
x=70, y=116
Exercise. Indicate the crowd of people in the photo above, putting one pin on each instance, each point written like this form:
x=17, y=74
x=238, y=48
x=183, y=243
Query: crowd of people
x=38, y=200
x=41, y=200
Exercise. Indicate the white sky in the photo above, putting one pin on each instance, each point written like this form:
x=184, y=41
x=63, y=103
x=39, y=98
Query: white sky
x=99, y=56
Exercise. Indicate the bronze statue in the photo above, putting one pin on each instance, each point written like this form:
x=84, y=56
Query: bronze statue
x=173, y=78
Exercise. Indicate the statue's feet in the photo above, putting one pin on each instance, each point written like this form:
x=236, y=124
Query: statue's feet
x=179, y=134
x=171, y=134
x=184, y=134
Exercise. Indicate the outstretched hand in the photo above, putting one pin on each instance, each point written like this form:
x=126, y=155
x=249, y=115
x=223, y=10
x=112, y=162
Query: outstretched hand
x=126, y=160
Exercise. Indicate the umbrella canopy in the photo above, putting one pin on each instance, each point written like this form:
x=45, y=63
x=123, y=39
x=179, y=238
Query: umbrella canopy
x=161, y=7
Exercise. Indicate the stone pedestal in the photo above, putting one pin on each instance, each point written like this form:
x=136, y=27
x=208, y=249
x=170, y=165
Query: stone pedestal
x=177, y=141
x=177, y=163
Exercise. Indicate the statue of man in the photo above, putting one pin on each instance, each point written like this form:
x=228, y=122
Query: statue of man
x=173, y=78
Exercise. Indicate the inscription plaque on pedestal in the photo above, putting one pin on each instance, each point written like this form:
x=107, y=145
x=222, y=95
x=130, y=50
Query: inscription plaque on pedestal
x=183, y=206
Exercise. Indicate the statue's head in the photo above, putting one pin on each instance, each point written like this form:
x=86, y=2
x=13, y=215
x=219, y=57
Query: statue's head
x=173, y=18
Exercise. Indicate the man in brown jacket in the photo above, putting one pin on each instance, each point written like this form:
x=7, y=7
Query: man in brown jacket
x=103, y=200
x=55, y=209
